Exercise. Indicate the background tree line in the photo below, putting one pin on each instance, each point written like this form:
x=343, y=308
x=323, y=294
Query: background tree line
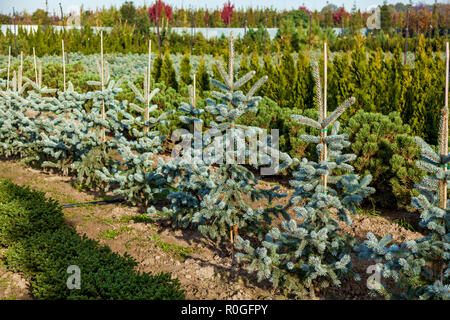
x=422, y=18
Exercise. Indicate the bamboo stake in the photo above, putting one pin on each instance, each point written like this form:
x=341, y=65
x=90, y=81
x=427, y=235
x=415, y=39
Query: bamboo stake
x=40, y=74
x=101, y=59
x=444, y=196
x=64, y=65
x=444, y=137
x=147, y=93
x=35, y=66
x=230, y=66
x=231, y=235
x=325, y=80
x=195, y=92
x=103, y=83
x=444, y=150
x=9, y=67
x=446, y=75
x=19, y=75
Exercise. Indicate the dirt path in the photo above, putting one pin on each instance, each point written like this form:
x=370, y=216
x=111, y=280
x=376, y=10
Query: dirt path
x=203, y=270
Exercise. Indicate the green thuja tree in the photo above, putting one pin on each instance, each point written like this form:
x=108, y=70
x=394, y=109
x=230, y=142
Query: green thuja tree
x=156, y=70
x=386, y=150
x=203, y=81
x=168, y=74
x=310, y=251
x=421, y=268
x=185, y=70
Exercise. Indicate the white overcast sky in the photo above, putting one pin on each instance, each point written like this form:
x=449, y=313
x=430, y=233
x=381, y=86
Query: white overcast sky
x=31, y=5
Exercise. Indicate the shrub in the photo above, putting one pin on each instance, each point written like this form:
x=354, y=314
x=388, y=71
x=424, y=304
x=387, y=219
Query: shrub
x=40, y=245
x=386, y=151
x=421, y=268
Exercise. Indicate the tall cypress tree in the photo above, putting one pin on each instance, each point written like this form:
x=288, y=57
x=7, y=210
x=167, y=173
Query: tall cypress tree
x=156, y=70
x=185, y=70
x=203, y=80
x=168, y=74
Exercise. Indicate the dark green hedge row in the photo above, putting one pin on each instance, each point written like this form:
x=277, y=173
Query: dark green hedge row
x=42, y=246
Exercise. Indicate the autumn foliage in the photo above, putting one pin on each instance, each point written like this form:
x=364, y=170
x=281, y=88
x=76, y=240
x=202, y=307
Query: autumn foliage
x=227, y=12
x=339, y=15
x=155, y=11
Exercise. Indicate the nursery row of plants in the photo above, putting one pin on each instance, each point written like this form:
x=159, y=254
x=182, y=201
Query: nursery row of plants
x=125, y=39
x=379, y=82
x=393, y=102
x=41, y=246
x=115, y=144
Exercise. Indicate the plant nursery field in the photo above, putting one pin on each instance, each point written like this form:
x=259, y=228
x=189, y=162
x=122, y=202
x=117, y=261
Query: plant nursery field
x=203, y=269
x=287, y=176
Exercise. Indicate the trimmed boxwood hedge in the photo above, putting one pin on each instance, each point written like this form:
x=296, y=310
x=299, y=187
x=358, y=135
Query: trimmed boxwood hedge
x=39, y=244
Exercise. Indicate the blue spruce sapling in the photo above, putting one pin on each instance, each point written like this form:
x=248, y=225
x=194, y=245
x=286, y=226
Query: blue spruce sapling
x=421, y=268
x=227, y=209
x=310, y=251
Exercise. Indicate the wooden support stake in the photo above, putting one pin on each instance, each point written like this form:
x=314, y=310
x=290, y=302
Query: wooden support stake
x=446, y=75
x=230, y=62
x=103, y=83
x=9, y=67
x=64, y=65
x=444, y=138
x=438, y=266
x=35, y=67
x=445, y=151
x=40, y=74
x=147, y=86
x=325, y=81
x=194, y=98
x=101, y=59
x=231, y=236
x=19, y=74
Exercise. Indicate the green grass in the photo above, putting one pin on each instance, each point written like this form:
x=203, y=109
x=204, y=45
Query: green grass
x=369, y=212
x=404, y=224
x=175, y=250
x=113, y=233
x=142, y=218
x=139, y=240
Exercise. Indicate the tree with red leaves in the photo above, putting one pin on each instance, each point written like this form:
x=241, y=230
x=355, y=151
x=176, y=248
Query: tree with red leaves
x=206, y=18
x=227, y=13
x=339, y=15
x=155, y=12
x=305, y=9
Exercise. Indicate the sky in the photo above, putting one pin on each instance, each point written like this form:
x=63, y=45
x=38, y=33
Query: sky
x=31, y=5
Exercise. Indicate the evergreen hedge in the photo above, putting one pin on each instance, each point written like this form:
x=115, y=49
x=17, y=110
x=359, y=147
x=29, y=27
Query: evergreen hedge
x=40, y=245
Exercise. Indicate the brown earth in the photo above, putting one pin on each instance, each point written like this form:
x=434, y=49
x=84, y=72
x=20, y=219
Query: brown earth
x=204, y=271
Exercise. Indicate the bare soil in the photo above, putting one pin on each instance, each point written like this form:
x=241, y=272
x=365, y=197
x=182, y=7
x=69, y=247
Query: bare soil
x=204, y=271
